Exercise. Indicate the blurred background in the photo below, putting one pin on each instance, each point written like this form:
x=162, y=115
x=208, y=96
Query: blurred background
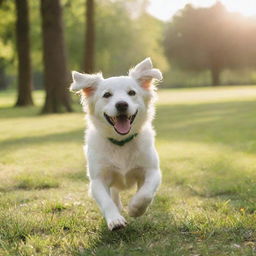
x=194, y=42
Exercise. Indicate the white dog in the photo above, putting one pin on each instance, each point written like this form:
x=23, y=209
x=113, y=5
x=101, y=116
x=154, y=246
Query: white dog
x=120, y=139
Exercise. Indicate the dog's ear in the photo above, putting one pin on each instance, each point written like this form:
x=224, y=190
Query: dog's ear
x=85, y=82
x=145, y=74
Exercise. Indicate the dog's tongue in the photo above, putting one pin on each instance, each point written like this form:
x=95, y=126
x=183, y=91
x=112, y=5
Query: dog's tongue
x=122, y=124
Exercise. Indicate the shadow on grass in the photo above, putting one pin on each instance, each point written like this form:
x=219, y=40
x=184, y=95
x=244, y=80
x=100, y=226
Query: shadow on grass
x=18, y=112
x=78, y=175
x=231, y=124
x=28, y=112
x=75, y=135
x=131, y=240
x=163, y=235
x=30, y=182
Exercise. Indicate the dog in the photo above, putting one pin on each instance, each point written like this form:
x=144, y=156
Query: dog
x=119, y=146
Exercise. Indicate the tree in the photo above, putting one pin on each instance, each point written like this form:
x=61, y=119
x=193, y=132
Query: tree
x=89, y=37
x=23, y=50
x=208, y=38
x=3, y=83
x=56, y=79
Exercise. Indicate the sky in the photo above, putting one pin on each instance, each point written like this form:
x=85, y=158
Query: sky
x=165, y=9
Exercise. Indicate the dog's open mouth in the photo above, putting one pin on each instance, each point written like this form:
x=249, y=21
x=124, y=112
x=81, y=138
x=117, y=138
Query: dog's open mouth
x=122, y=123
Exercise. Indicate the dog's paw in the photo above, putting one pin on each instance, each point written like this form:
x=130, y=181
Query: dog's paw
x=116, y=223
x=138, y=206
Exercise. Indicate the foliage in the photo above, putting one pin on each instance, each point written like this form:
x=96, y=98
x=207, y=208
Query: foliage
x=120, y=42
x=7, y=46
x=205, y=206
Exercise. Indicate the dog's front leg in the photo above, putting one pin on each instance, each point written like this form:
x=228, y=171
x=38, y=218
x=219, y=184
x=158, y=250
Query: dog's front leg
x=101, y=193
x=145, y=194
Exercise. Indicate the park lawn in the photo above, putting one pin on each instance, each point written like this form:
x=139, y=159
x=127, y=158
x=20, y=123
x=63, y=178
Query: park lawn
x=206, y=139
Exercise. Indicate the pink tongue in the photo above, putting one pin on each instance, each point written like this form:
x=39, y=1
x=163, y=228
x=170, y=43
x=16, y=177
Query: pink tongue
x=123, y=125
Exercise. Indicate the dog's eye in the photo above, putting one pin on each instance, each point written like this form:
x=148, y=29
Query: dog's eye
x=107, y=95
x=131, y=93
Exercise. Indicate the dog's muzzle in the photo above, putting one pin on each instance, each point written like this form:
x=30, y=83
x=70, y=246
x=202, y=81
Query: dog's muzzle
x=122, y=123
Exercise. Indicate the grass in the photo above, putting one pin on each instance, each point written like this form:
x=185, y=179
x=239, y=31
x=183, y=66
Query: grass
x=206, y=205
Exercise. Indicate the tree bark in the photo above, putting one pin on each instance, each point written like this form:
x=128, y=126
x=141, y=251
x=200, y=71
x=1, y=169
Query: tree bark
x=56, y=79
x=3, y=83
x=23, y=50
x=215, y=74
x=89, y=37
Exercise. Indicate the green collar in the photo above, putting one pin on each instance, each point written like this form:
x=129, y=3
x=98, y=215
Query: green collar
x=123, y=142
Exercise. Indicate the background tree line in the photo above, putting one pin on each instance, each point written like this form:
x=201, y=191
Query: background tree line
x=48, y=38
x=211, y=39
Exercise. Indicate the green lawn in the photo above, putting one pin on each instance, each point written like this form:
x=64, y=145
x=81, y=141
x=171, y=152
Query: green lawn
x=206, y=139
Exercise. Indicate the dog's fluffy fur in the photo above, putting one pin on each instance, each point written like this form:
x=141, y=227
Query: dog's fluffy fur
x=111, y=167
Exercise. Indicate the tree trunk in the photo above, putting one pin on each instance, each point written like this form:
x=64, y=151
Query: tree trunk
x=89, y=38
x=56, y=79
x=215, y=73
x=23, y=50
x=3, y=83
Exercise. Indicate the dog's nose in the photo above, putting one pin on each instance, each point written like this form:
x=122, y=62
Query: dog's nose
x=122, y=106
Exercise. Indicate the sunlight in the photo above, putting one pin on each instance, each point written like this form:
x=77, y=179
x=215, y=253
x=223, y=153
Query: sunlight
x=165, y=9
x=247, y=8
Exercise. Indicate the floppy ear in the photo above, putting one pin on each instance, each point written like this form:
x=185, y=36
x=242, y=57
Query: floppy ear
x=145, y=74
x=85, y=82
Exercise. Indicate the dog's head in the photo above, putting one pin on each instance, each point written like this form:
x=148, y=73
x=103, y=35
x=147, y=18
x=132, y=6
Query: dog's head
x=118, y=105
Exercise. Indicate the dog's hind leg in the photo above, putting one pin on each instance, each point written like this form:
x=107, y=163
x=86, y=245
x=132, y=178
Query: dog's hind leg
x=116, y=198
x=145, y=194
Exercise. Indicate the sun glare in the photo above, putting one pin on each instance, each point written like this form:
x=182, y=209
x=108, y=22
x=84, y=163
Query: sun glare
x=247, y=8
x=165, y=9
